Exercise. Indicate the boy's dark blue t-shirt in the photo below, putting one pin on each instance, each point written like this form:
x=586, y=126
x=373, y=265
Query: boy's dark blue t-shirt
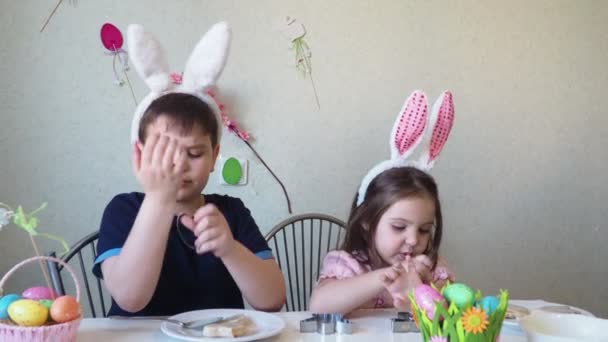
x=188, y=281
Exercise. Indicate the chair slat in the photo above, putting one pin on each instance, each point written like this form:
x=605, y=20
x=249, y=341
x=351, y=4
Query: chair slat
x=55, y=275
x=302, y=244
x=301, y=276
x=77, y=251
x=319, y=261
x=288, y=271
x=276, y=248
x=86, y=284
x=329, y=237
x=312, y=235
x=99, y=288
x=295, y=264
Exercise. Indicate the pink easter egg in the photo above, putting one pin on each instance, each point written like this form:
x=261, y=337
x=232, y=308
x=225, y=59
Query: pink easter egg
x=425, y=297
x=39, y=293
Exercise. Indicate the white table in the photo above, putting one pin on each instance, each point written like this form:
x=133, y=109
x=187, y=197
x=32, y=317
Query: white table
x=370, y=325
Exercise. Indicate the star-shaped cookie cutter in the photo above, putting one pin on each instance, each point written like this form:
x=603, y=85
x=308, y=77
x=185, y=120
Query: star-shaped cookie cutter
x=326, y=324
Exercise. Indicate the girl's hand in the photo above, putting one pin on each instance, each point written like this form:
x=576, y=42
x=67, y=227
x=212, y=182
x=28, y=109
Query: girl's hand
x=399, y=280
x=390, y=275
x=442, y=274
x=423, y=265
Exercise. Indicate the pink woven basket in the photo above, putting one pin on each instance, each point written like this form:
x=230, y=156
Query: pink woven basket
x=64, y=332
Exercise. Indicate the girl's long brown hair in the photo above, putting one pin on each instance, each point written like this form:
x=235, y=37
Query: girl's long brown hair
x=387, y=188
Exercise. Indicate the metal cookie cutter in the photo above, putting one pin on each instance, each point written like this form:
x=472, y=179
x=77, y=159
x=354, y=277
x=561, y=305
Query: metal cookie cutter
x=326, y=324
x=404, y=323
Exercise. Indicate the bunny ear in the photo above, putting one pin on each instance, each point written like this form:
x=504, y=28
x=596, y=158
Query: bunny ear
x=409, y=126
x=148, y=58
x=207, y=59
x=442, y=119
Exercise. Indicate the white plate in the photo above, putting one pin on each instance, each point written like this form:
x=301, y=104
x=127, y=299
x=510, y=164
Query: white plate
x=267, y=325
x=538, y=306
x=543, y=326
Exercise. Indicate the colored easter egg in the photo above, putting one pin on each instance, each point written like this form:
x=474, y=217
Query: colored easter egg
x=46, y=302
x=426, y=297
x=65, y=309
x=459, y=294
x=28, y=313
x=5, y=302
x=38, y=293
x=488, y=304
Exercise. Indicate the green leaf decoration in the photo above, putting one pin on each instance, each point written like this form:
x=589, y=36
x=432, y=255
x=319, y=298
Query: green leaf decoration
x=29, y=222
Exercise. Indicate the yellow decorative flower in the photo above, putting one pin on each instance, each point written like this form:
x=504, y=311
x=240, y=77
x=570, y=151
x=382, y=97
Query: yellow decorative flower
x=475, y=320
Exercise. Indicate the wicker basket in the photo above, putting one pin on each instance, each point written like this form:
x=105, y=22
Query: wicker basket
x=64, y=332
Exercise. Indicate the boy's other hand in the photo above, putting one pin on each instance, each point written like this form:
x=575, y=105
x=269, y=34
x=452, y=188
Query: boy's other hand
x=212, y=232
x=159, y=166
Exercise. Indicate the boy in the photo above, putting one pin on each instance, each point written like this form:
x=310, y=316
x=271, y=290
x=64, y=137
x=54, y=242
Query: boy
x=171, y=249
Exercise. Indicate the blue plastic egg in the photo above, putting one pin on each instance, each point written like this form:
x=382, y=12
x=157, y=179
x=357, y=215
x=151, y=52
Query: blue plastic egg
x=488, y=304
x=5, y=302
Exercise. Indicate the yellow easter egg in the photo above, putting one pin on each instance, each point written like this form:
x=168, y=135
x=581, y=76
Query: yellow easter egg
x=28, y=313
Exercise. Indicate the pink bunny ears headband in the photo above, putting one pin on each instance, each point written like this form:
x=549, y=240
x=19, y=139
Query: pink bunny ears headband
x=408, y=132
x=203, y=68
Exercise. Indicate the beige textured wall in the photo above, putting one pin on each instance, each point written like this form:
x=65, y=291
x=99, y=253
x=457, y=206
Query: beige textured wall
x=523, y=177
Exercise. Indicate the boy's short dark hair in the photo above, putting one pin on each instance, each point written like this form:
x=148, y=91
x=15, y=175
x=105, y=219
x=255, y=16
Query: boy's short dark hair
x=185, y=110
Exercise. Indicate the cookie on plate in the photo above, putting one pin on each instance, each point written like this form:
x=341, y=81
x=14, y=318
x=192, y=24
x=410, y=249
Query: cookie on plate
x=516, y=312
x=236, y=327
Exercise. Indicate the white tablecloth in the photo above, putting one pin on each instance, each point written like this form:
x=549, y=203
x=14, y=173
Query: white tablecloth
x=370, y=325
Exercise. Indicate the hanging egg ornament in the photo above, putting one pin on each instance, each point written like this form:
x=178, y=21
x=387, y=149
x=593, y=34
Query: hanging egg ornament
x=111, y=38
x=460, y=294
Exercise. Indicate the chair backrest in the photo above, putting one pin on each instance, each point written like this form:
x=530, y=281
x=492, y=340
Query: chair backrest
x=299, y=244
x=86, y=263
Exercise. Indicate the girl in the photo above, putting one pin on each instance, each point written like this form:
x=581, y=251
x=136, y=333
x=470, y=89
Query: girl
x=395, y=225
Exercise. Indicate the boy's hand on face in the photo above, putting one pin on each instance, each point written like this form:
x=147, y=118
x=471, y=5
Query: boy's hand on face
x=159, y=166
x=212, y=232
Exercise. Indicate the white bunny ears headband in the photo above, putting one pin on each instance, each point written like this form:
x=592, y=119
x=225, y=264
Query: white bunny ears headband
x=203, y=68
x=408, y=132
